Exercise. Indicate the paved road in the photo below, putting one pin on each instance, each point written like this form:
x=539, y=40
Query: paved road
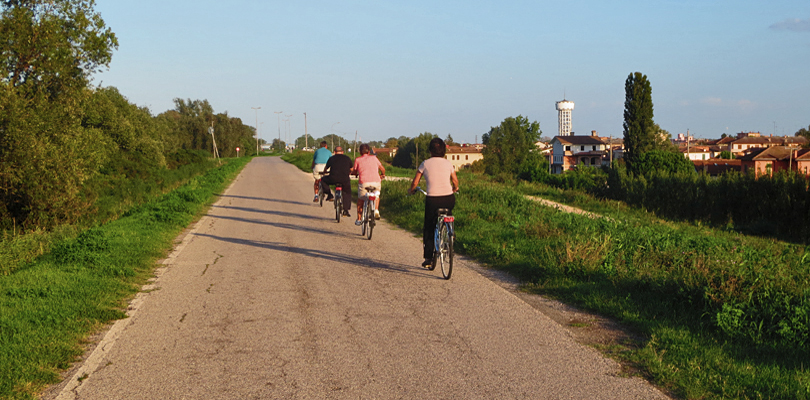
x=268, y=298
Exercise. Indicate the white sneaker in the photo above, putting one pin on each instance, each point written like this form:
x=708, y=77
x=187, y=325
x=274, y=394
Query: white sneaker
x=376, y=214
x=358, y=222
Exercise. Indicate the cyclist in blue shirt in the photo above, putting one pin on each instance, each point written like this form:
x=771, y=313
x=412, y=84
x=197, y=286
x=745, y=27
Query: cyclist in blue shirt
x=319, y=160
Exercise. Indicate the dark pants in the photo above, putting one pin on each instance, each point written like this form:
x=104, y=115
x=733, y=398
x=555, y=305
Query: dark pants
x=432, y=205
x=347, y=190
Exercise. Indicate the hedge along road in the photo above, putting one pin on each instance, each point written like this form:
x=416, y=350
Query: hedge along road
x=269, y=297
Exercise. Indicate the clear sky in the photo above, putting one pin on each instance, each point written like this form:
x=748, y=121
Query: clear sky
x=392, y=68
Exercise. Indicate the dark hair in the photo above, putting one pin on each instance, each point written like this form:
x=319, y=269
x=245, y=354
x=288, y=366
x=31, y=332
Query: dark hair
x=364, y=149
x=323, y=144
x=437, y=147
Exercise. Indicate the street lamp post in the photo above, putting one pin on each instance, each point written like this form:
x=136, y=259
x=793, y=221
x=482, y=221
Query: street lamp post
x=332, y=130
x=306, y=134
x=288, y=130
x=279, y=125
x=257, y=128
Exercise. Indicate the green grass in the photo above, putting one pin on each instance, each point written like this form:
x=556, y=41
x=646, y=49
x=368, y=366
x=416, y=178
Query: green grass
x=51, y=305
x=723, y=315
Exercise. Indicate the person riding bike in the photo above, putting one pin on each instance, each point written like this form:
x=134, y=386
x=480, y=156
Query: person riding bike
x=319, y=160
x=366, y=167
x=339, y=166
x=442, y=184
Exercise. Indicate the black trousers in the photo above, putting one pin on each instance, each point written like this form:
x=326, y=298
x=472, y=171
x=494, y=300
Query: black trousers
x=432, y=205
x=347, y=190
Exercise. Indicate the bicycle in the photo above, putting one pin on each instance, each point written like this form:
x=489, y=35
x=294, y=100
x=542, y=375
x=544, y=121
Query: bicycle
x=369, y=200
x=338, y=201
x=444, y=237
x=320, y=191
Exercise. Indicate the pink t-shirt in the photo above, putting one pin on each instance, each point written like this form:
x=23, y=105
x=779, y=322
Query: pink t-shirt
x=367, y=167
x=437, y=171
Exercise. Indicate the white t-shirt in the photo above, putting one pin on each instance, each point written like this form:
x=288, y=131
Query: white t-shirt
x=437, y=171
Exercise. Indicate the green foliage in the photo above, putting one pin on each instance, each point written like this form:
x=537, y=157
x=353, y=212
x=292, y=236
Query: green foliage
x=639, y=129
x=50, y=48
x=726, y=155
x=803, y=132
x=508, y=147
x=662, y=161
x=412, y=152
x=777, y=206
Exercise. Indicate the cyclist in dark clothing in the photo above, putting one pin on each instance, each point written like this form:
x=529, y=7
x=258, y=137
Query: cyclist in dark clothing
x=338, y=166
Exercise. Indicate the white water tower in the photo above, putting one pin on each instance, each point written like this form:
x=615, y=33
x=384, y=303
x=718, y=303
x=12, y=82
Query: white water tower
x=564, y=109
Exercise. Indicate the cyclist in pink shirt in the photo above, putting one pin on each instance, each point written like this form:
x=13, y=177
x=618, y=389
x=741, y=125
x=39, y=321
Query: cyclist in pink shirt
x=366, y=167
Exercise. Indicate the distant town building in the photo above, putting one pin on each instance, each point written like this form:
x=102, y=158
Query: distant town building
x=571, y=151
x=767, y=161
x=463, y=156
x=564, y=109
x=747, y=141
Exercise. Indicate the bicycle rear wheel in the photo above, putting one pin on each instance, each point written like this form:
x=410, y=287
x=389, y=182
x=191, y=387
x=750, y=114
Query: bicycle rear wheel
x=445, y=250
x=338, y=204
x=370, y=218
x=320, y=193
x=364, y=219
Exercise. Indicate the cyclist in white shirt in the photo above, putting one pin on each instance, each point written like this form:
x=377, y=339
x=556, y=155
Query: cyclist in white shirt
x=442, y=184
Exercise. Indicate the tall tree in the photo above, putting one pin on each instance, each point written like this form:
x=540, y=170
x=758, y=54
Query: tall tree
x=803, y=132
x=509, y=145
x=48, y=51
x=52, y=47
x=639, y=128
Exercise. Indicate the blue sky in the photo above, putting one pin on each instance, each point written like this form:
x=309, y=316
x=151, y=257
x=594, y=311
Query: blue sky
x=392, y=68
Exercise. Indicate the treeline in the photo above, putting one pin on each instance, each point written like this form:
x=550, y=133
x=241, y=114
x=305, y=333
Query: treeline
x=53, y=157
x=62, y=140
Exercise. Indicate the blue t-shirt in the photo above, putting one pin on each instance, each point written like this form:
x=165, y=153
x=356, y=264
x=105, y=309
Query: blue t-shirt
x=322, y=155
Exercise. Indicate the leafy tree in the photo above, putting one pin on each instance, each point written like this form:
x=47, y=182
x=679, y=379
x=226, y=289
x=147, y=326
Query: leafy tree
x=48, y=51
x=804, y=132
x=278, y=145
x=639, y=128
x=723, y=136
x=305, y=140
x=726, y=155
x=509, y=145
x=51, y=47
x=663, y=139
x=449, y=141
x=392, y=143
x=663, y=161
x=414, y=151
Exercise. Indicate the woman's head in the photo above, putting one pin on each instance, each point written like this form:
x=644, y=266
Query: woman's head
x=437, y=147
x=364, y=149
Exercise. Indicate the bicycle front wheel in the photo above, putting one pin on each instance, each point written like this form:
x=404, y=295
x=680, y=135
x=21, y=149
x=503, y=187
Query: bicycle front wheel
x=445, y=250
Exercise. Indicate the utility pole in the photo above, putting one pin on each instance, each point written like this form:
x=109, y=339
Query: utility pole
x=306, y=137
x=354, y=148
x=257, y=128
x=288, y=131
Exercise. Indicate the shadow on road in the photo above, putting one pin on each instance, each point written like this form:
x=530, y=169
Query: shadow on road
x=323, y=254
x=300, y=203
x=290, y=226
x=271, y=212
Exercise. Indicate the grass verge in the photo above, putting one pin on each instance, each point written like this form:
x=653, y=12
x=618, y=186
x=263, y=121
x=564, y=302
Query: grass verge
x=51, y=305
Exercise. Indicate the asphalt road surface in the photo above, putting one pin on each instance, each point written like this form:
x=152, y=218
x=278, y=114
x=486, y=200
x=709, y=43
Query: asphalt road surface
x=267, y=297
